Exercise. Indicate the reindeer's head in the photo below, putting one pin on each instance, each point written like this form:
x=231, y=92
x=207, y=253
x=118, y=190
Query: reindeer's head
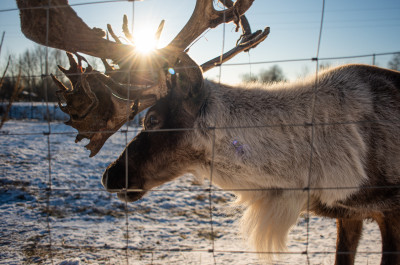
x=168, y=81
x=163, y=150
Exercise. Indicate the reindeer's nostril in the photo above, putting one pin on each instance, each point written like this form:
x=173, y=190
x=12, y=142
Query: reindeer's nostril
x=104, y=179
x=111, y=179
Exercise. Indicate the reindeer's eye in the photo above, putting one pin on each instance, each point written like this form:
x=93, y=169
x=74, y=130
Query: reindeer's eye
x=152, y=121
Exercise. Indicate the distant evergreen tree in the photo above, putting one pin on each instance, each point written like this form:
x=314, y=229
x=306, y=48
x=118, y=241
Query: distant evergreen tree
x=249, y=78
x=273, y=74
x=394, y=63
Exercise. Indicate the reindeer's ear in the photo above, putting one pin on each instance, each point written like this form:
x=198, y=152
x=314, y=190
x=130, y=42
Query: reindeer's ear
x=185, y=82
x=185, y=78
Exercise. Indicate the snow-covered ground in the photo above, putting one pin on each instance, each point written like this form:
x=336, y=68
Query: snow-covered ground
x=34, y=111
x=73, y=220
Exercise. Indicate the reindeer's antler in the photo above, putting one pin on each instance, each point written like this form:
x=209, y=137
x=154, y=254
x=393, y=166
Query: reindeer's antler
x=100, y=104
x=205, y=16
x=69, y=32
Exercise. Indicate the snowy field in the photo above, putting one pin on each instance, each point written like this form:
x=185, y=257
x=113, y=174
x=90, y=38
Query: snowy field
x=73, y=220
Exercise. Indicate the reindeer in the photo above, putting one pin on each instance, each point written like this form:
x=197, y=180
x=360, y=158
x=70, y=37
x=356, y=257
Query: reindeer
x=327, y=145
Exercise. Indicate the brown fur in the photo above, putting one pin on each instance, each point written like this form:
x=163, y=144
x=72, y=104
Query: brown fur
x=260, y=138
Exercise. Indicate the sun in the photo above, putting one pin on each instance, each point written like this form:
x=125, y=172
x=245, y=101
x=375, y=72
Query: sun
x=144, y=41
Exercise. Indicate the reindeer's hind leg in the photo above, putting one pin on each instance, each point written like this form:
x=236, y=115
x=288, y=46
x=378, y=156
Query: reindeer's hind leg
x=348, y=235
x=389, y=224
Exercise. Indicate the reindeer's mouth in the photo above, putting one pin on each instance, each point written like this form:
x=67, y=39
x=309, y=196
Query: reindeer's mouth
x=115, y=187
x=130, y=196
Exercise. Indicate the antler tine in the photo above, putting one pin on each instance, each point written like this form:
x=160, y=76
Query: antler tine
x=59, y=84
x=159, y=30
x=205, y=16
x=125, y=29
x=111, y=31
x=107, y=66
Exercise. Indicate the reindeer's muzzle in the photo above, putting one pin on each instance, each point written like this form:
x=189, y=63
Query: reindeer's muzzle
x=117, y=184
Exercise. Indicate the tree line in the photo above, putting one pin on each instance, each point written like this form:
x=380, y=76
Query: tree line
x=30, y=68
x=275, y=73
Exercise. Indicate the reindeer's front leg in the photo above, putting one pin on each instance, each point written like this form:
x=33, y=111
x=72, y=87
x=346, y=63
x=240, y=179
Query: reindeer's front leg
x=348, y=235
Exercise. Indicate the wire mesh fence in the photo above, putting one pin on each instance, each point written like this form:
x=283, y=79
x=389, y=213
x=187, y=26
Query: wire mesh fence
x=57, y=211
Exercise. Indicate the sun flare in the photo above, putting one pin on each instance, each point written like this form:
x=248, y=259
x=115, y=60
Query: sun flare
x=145, y=41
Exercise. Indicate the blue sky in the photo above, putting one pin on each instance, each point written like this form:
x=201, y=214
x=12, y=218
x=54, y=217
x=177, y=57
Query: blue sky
x=351, y=27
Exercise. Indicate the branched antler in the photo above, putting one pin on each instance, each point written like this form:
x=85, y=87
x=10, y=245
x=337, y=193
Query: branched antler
x=92, y=109
x=205, y=16
x=96, y=104
x=100, y=104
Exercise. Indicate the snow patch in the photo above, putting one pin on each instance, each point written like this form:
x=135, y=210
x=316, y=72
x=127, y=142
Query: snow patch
x=78, y=222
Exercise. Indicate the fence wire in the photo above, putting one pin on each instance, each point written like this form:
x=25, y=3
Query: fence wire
x=211, y=190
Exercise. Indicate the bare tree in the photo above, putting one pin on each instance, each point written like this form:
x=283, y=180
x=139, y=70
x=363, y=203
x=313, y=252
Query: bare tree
x=271, y=75
x=29, y=64
x=394, y=63
x=249, y=78
x=32, y=63
x=324, y=66
x=305, y=71
x=17, y=89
